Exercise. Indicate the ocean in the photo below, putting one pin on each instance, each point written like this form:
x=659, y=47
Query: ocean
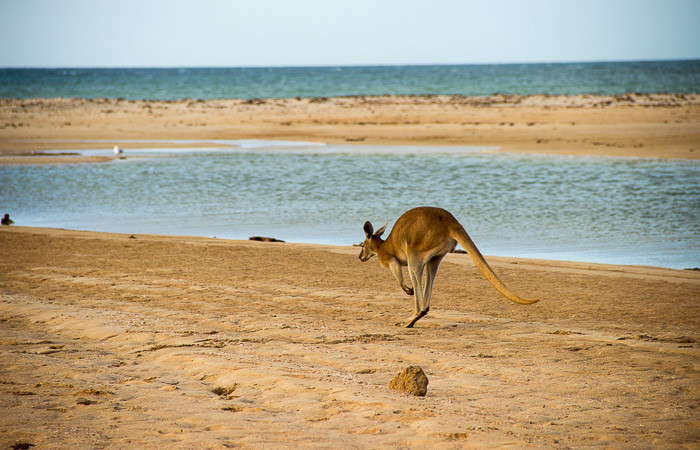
x=289, y=82
x=595, y=209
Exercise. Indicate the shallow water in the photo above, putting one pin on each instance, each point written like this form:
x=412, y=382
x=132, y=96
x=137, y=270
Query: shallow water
x=608, y=210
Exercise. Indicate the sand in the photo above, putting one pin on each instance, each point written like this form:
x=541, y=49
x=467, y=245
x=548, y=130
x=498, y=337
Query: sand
x=636, y=125
x=134, y=341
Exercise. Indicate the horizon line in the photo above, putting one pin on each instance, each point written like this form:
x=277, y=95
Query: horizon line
x=302, y=66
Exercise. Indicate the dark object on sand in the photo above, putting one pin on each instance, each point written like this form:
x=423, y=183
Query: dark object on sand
x=6, y=220
x=264, y=239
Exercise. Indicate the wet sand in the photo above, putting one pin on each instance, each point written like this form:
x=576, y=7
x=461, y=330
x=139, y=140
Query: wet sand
x=120, y=341
x=639, y=125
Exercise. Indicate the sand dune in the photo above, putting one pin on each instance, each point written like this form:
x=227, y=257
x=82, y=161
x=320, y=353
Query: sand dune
x=121, y=341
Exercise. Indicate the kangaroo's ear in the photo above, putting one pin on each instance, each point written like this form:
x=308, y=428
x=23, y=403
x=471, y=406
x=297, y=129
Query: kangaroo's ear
x=381, y=230
x=369, y=229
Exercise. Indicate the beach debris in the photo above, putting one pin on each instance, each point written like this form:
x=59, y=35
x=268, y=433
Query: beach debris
x=93, y=391
x=456, y=436
x=411, y=381
x=224, y=391
x=646, y=337
x=23, y=393
x=264, y=239
x=232, y=408
x=6, y=220
x=21, y=445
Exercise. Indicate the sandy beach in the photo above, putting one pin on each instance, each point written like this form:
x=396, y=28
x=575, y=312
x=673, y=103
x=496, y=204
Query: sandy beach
x=641, y=125
x=135, y=341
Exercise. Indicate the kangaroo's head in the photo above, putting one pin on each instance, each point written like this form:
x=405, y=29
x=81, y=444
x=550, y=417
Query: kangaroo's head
x=372, y=241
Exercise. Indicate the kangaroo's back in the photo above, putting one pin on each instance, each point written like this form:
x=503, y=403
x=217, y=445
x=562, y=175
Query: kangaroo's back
x=425, y=229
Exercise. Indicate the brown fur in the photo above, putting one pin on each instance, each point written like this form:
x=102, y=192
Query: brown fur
x=420, y=239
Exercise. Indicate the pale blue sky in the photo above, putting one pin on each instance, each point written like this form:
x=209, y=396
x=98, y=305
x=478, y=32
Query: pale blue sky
x=178, y=33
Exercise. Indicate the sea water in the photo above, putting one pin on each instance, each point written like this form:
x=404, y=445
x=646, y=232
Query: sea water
x=267, y=82
x=597, y=209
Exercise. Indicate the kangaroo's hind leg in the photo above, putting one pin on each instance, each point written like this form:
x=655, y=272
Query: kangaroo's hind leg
x=430, y=271
x=415, y=271
x=424, y=288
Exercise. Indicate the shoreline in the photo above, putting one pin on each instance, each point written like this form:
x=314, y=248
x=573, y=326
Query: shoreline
x=343, y=248
x=73, y=156
x=131, y=341
x=630, y=125
x=518, y=259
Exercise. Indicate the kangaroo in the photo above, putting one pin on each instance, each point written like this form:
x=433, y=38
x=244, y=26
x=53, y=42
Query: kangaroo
x=420, y=240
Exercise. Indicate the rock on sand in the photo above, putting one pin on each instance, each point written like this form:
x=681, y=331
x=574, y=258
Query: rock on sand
x=411, y=381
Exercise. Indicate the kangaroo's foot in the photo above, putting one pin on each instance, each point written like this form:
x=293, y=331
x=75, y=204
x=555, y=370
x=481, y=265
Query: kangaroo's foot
x=414, y=319
x=408, y=323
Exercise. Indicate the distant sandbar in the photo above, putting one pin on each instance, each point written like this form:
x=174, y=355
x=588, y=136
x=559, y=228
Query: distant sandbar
x=636, y=125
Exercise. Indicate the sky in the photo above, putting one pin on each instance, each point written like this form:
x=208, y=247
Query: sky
x=240, y=33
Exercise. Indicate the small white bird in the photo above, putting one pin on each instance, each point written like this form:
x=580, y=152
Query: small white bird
x=117, y=151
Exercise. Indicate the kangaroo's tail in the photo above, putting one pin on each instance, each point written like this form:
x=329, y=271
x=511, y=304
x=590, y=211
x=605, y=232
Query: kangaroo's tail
x=465, y=241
